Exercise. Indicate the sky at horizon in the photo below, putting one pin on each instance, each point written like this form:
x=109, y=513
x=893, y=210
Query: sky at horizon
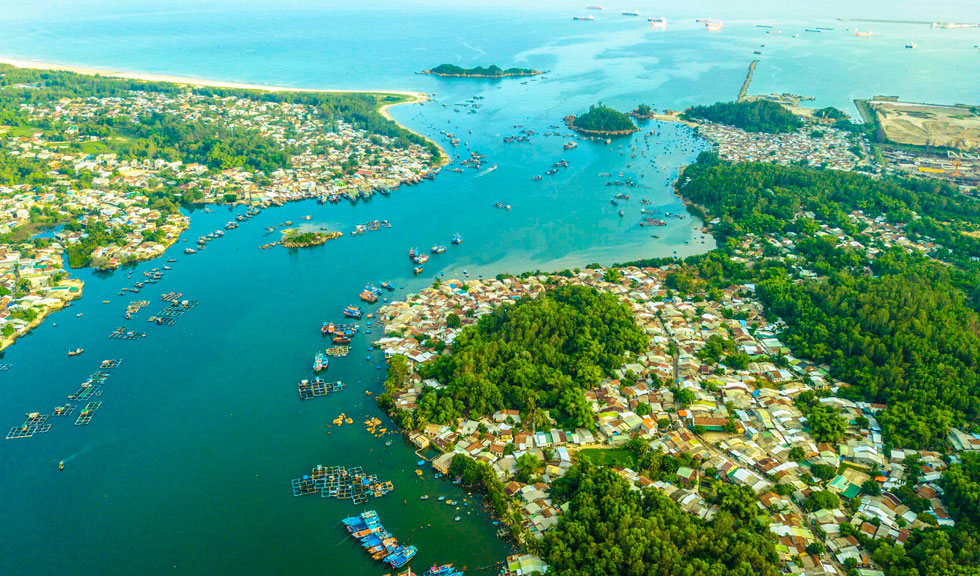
x=946, y=10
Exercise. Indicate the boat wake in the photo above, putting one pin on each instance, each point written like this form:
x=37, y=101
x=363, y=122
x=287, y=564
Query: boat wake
x=79, y=453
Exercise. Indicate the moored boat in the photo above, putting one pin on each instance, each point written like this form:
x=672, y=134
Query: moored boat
x=353, y=312
x=457, y=238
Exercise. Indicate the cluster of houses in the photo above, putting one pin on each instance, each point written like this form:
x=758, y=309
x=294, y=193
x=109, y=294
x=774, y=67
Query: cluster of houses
x=817, y=144
x=94, y=188
x=327, y=156
x=738, y=419
x=33, y=284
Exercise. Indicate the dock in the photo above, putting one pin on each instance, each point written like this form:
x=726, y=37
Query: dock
x=748, y=80
x=341, y=483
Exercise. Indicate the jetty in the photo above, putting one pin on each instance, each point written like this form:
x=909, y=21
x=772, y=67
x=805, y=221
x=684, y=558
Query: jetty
x=748, y=80
x=341, y=483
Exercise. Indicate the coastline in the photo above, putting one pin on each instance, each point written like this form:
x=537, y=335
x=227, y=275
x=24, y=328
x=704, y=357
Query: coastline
x=151, y=77
x=410, y=96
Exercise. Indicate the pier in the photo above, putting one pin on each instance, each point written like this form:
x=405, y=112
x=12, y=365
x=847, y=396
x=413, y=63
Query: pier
x=748, y=80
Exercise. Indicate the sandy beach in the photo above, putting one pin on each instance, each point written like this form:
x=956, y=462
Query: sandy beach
x=412, y=96
x=20, y=63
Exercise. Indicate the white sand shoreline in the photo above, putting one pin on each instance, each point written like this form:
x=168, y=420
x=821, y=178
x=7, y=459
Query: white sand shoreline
x=150, y=77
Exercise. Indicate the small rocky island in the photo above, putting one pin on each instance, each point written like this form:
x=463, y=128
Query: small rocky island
x=492, y=71
x=601, y=120
x=643, y=112
x=296, y=238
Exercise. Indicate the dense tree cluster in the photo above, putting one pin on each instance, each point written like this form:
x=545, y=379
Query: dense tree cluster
x=601, y=118
x=168, y=136
x=902, y=330
x=611, y=529
x=753, y=116
x=537, y=354
x=492, y=71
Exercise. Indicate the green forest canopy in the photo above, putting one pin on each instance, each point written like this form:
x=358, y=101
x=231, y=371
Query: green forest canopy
x=537, y=354
x=904, y=332
x=601, y=118
x=752, y=116
x=492, y=71
x=172, y=137
x=612, y=530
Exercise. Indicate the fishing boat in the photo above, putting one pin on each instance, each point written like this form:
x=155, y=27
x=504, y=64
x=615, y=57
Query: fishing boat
x=457, y=239
x=321, y=362
x=583, y=17
x=352, y=312
x=401, y=557
x=418, y=270
x=61, y=465
x=190, y=251
x=368, y=296
x=327, y=328
x=75, y=352
x=438, y=249
x=341, y=339
x=910, y=45
x=412, y=253
x=444, y=570
x=570, y=145
x=630, y=13
x=421, y=259
x=388, y=286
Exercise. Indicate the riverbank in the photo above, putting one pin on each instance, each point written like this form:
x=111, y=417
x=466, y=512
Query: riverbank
x=71, y=290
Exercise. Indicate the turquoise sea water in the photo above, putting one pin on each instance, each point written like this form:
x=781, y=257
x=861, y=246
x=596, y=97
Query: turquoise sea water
x=185, y=469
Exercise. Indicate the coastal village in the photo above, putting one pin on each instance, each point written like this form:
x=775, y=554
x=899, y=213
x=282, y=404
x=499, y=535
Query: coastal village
x=742, y=424
x=94, y=189
x=815, y=144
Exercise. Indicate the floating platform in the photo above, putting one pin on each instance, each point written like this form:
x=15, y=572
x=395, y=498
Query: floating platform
x=86, y=415
x=318, y=387
x=65, y=410
x=110, y=364
x=341, y=483
x=122, y=334
x=177, y=309
x=338, y=351
x=36, y=423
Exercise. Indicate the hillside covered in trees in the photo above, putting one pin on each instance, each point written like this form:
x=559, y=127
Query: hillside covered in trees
x=601, y=119
x=538, y=354
x=492, y=71
x=612, y=530
x=903, y=329
x=753, y=116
